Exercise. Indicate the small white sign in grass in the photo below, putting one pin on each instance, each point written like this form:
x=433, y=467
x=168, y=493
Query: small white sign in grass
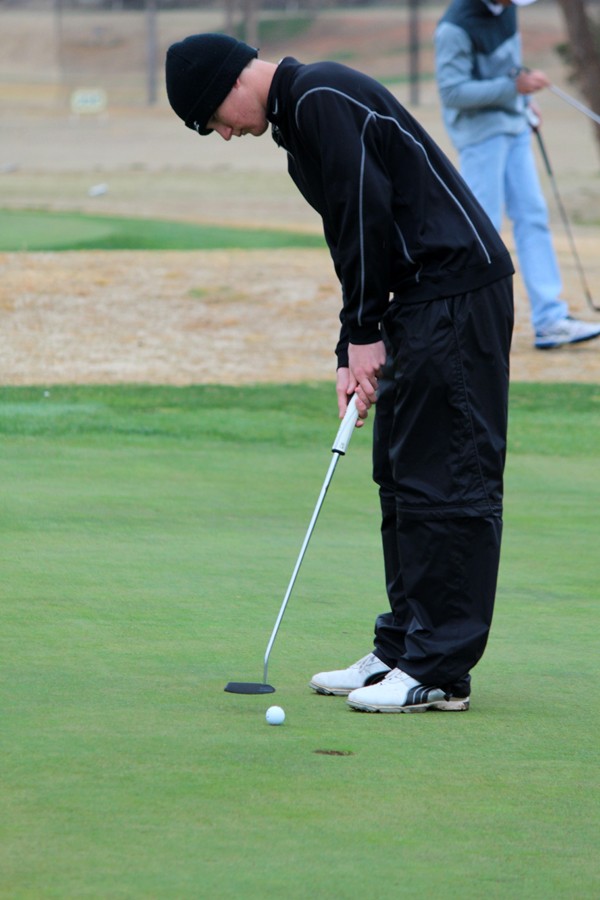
x=88, y=101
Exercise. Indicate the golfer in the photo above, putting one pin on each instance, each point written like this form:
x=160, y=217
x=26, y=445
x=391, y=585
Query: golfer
x=426, y=324
x=487, y=107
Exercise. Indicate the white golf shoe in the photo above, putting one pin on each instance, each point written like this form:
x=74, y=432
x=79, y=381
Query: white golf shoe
x=367, y=670
x=399, y=693
x=566, y=331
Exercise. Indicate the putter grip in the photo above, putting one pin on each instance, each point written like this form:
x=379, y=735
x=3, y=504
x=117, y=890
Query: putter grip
x=342, y=438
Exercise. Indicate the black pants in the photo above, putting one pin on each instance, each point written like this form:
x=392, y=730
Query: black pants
x=438, y=458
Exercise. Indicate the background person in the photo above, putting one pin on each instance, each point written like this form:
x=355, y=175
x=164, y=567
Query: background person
x=485, y=94
x=426, y=326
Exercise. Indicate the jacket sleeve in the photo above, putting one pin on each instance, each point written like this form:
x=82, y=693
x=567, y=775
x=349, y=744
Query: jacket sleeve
x=341, y=350
x=356, y=205
x=455, y=74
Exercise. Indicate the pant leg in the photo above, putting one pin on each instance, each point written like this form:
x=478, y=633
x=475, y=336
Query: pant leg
x=447, y=450
x=390, y=627
x=502, y=174
x=482, y=165
x=527, y=210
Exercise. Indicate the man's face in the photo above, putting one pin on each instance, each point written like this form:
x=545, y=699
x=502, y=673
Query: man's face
x=240, y=113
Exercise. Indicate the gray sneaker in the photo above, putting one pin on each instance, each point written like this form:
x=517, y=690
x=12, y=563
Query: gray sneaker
x=566, y=331
x=368, y=670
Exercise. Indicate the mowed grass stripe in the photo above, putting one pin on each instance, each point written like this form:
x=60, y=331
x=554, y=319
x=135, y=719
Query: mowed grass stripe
x=39, y=230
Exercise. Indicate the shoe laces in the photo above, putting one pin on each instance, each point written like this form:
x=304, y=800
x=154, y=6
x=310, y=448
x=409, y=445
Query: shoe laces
x=395, y=675
x=366, y=663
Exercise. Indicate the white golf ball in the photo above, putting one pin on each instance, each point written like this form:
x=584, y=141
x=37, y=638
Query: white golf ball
x=275, y=715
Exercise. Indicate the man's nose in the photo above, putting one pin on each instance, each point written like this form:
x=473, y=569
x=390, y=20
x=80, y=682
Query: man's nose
x=225, y=132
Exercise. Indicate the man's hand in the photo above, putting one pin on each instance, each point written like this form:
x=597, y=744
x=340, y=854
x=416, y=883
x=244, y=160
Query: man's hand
x=365, y=364
x=344, y=392
x=529, y=82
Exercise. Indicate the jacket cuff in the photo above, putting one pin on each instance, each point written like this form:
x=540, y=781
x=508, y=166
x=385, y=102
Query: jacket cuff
x=342, y=357
x=368, y=334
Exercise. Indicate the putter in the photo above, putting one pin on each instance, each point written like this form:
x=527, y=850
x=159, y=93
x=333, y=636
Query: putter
x=340, y=445
x=534, y=123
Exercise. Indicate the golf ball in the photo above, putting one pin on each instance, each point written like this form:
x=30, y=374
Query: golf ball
x=275, y=715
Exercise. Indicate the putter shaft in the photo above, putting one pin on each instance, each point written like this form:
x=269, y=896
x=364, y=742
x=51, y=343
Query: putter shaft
x=292, y=581
x=576, y=104
x=340, y=445
x=565, y=219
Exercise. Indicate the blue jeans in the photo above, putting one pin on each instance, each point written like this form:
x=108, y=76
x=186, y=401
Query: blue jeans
x=501, y=173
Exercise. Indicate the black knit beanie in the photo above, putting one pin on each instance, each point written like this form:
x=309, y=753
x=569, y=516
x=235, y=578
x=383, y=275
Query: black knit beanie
x=200, y=72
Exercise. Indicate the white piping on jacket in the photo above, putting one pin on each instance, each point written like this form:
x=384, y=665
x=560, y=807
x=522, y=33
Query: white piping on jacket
x=373, y=114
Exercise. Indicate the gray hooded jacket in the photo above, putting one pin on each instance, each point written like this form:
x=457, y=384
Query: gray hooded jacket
x=478, y=56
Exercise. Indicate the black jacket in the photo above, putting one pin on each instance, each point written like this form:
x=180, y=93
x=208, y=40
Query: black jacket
x=397, y=216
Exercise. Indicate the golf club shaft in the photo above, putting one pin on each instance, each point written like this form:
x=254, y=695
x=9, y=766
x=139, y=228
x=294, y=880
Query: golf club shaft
x=565, y=219
x=339, y=448
x=311, y=527
x=576, y=104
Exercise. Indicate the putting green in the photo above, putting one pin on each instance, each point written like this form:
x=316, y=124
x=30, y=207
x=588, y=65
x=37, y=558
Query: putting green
x=148, y=535
x=40, y=230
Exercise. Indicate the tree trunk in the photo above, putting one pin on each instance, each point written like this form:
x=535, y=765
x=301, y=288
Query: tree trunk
x=585, y=51
x=251, y=10
x=228, y=27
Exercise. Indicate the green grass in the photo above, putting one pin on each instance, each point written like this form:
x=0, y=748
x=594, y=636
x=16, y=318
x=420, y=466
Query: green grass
x=41, y=230
x=148, y=535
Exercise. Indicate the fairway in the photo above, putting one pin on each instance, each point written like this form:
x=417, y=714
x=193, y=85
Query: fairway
x=148, y=537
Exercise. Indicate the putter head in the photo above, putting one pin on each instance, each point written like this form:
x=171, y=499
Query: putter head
x=249, y=687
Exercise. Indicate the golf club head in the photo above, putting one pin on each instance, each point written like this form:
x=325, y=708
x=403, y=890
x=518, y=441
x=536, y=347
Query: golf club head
x=249, y=687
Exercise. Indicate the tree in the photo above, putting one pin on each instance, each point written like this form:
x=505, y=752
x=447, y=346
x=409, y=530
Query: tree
x=250, y=10
x=584, y=52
